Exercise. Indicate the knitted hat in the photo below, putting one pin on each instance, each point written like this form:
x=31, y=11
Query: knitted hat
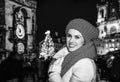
x=87, y=30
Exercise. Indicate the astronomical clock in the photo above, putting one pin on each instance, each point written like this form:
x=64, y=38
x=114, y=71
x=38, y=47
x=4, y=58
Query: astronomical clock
x=20, y=25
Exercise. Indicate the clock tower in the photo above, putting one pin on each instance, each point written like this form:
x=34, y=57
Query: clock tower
x=20, y=25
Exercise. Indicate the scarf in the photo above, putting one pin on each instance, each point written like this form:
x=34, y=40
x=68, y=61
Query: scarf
x=86, y=51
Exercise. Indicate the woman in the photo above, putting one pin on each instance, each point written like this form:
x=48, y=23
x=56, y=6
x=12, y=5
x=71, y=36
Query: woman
x=74, y=62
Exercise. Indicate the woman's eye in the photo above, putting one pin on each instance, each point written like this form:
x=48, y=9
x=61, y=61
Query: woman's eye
x=77, y=37
x=68, y=35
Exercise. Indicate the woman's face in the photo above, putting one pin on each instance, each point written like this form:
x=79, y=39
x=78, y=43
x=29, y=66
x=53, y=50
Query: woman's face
x=74, y=40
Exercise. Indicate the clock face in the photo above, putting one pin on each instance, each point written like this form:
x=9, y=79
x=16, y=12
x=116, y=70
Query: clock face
x=20, y=48
x=20, y=31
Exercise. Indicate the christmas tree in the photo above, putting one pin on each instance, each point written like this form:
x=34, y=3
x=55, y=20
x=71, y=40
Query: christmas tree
x=47, y=50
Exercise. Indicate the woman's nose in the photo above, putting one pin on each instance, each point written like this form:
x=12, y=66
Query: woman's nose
x=71, y=40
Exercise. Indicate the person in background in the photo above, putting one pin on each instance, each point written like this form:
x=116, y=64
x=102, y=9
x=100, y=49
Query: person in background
x=75, y=61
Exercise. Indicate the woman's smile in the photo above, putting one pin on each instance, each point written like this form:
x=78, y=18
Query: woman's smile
x=74, y=40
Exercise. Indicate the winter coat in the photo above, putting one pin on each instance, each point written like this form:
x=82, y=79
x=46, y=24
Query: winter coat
x=76, y=66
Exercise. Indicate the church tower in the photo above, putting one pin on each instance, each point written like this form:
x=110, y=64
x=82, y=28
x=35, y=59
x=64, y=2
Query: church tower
x=108, y=23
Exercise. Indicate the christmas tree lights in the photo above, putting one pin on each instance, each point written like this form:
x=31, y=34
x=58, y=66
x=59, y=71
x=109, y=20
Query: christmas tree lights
x=47, y=49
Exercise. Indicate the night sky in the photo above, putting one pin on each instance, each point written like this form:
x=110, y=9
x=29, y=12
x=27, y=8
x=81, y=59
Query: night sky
x=54, y=15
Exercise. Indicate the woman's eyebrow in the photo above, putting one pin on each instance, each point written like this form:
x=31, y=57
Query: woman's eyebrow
x=78, y=35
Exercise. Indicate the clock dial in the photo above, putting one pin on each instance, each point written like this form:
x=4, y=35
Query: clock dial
x=20, y=47
x=20, y=31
